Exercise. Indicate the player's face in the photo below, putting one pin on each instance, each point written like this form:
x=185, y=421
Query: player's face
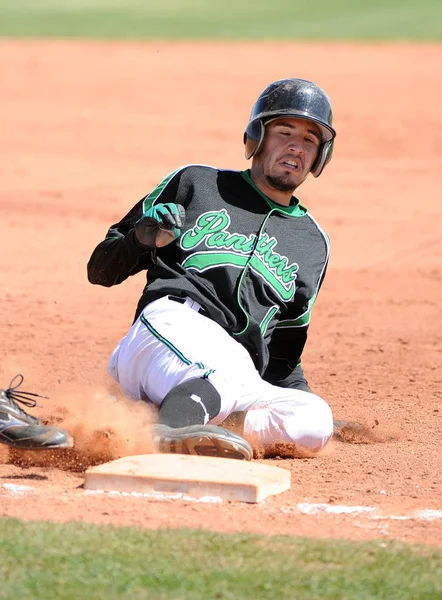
x=289, y=150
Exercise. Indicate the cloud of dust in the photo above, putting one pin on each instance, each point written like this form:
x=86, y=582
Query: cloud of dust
x=104, y=427
x=4, y=454
x=351, y=432
x=362, y=433
x=282, y=450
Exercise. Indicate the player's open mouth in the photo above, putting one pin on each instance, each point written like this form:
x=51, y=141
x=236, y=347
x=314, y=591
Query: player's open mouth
x=293, y=165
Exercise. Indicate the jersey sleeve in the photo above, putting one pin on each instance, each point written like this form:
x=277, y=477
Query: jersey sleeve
x=287, y=344
x=120, y=255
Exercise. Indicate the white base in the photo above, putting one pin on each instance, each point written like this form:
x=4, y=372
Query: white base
x=194, y=476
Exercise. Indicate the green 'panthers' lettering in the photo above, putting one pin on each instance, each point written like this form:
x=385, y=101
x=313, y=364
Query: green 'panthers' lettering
x=211, y=228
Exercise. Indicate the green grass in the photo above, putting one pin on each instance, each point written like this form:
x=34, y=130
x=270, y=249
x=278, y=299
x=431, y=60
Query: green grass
x=231, y=19
x=61, y=562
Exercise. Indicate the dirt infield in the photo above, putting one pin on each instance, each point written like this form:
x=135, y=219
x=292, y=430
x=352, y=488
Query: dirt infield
x=88, y=128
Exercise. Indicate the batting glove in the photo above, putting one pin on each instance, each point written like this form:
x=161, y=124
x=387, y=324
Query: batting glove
x=160, y=225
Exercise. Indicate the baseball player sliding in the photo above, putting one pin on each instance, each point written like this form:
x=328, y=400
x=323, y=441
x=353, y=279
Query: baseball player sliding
x=234, y=265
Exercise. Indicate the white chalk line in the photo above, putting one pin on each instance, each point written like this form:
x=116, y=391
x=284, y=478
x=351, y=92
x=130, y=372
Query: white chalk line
x=17, y=490
x=370, y=512
x=160, y=496
x=22, y=490
x=305, y=508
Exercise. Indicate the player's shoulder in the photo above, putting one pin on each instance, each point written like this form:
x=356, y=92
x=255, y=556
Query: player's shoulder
x=183, y=178
x=208, y=170
x=196, y=175
x=199, y=169
x=318, y=228
x=172, y=179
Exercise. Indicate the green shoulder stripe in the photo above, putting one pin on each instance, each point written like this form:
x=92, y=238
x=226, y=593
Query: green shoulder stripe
x=154, y=194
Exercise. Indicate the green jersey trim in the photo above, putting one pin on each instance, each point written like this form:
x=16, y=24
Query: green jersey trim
x=155, y=193
x=301, y=321
x=295, y=210
x=270, y=314
x=248, y=264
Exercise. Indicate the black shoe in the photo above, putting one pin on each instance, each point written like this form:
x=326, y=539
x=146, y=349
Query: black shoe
x=344, y=431
x=20, y=430
x=201, y=440
x=338, y=425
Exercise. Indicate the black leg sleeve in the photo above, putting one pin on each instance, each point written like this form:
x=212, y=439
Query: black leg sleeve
x=193, y=402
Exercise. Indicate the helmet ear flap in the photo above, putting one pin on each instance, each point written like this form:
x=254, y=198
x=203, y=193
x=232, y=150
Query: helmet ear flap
x=253, y=138
x=323, y=158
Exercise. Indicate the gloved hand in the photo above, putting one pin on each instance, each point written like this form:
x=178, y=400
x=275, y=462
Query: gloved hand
x=160, y=225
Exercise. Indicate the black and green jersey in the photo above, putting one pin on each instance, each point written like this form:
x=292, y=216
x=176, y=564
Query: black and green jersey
x=253, y=265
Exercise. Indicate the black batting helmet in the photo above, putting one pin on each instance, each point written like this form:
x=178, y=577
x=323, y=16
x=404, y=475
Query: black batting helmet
x=297, y=98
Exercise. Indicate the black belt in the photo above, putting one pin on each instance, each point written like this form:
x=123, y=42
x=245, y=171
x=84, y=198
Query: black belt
x=178, y=299
x=182, y=300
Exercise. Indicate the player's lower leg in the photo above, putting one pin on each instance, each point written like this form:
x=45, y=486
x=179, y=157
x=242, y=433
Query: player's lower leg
x=194, y=402
x=182, y=427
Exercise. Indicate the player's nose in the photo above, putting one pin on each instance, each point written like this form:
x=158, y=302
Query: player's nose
x=296, y=146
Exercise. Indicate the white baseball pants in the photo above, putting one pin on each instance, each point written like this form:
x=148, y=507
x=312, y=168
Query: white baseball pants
x=171, y=343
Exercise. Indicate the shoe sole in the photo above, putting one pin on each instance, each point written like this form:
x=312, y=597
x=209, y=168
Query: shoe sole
x=204, y=444
x=17, y=446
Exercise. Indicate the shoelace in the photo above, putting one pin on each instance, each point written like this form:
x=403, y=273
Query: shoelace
x=26, y=398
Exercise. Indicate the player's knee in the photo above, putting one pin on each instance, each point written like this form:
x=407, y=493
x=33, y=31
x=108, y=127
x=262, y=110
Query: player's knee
x=316, y=427
x=321, y=430
x=308, y=425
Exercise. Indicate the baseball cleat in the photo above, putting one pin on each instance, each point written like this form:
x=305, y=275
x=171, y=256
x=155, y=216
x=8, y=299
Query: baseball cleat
x=18, y=429
x=349, y=431
x=201, y=440
x=351, y=425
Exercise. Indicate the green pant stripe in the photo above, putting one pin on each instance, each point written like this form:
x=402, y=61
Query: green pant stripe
x=169, y=344
x=164, y=341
